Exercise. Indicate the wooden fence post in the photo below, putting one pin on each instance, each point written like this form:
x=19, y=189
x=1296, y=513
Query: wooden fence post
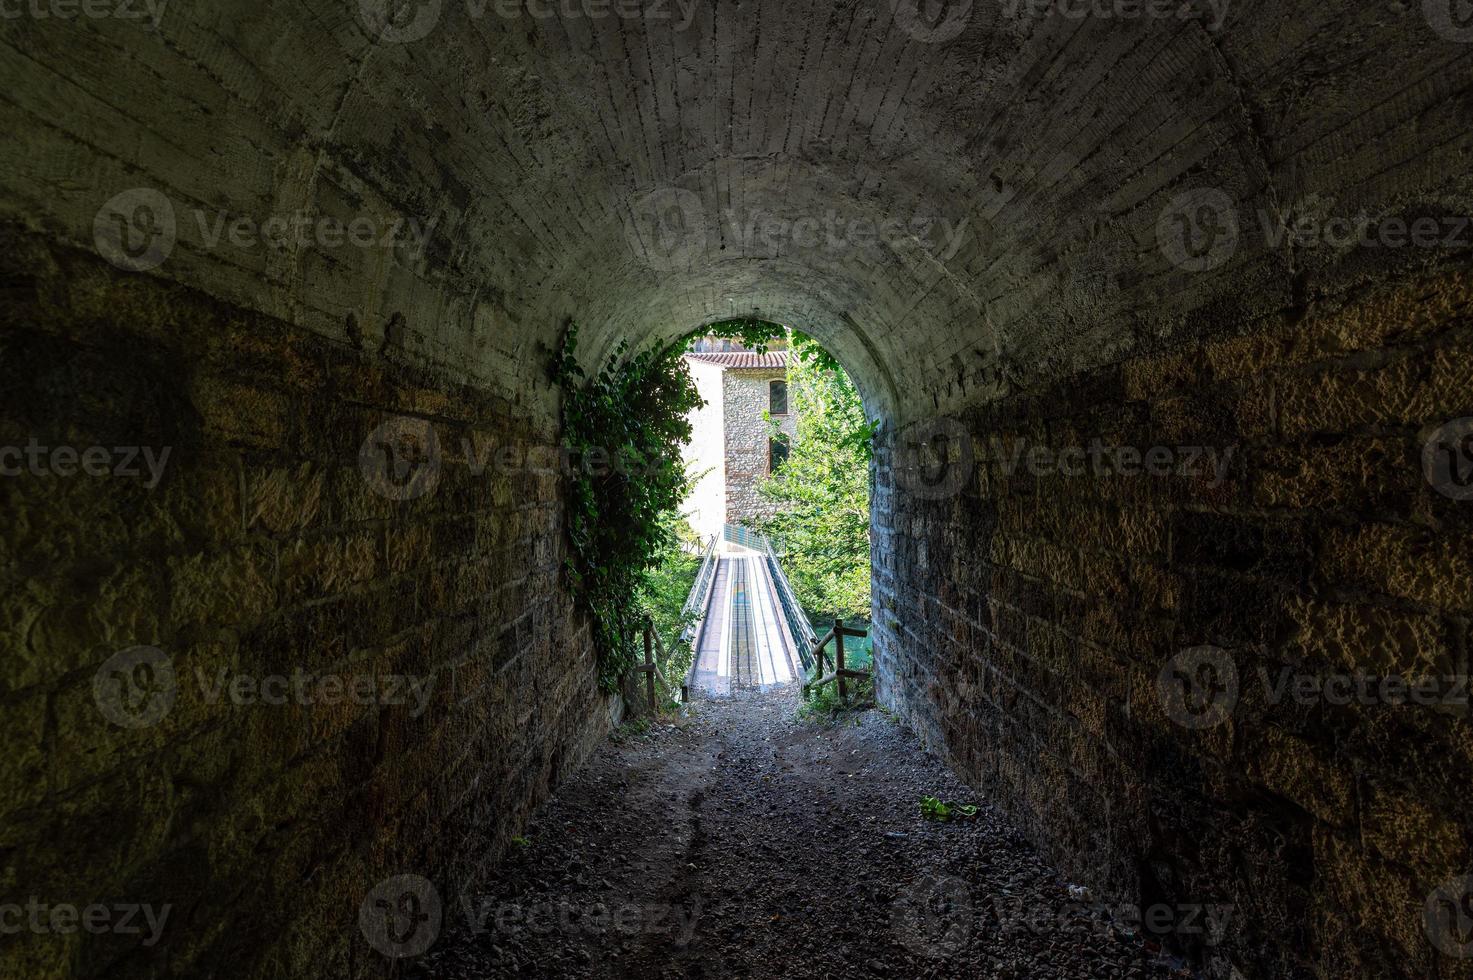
x=649, y=663
x=839, y=658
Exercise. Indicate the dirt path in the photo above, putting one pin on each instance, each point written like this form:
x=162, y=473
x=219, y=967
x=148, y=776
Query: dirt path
x=743, y=843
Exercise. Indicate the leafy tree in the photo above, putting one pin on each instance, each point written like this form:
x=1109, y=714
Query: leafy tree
x=824, y=528
x=665, y=589
x=748, y=331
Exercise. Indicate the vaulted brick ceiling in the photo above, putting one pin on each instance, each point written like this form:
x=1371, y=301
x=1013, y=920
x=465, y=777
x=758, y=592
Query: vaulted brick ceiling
x=541, y=147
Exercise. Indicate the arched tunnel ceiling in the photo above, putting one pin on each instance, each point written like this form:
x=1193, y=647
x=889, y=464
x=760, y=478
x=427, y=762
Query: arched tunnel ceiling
x=984, y=191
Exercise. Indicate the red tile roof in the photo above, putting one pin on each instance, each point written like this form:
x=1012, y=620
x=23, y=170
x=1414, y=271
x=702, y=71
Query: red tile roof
x=772, y=359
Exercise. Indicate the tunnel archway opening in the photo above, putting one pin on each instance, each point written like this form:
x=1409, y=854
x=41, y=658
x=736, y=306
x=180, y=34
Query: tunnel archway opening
x=782, y=534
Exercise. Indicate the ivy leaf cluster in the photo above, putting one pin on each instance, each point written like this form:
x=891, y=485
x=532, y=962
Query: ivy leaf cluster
x=623, y=430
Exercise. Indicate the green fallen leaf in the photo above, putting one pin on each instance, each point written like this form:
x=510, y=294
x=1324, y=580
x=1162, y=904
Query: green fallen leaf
x=941, y=811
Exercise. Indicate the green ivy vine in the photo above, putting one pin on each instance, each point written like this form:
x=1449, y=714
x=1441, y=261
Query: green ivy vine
x=623, y=430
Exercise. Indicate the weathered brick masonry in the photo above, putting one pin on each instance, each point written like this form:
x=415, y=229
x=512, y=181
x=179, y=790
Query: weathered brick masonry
x=263, y=550
x=1023, y=623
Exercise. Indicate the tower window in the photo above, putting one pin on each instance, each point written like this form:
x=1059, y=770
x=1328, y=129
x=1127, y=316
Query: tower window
x=777, y=453
x=777, y=398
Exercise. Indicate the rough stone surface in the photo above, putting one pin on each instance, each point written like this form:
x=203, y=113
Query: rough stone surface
x=262, y=551
x=981, y=203
x=740, y=842
x=745, y=397
x=1023, y=624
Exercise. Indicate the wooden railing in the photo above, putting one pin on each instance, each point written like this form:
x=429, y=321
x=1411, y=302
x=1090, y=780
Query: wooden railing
x=651, y=667
x=840, y=673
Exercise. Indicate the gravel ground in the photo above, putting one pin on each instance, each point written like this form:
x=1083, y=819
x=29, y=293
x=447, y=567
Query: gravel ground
x=743, y=842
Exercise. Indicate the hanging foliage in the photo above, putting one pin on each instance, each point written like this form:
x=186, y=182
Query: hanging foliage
x=623, y=430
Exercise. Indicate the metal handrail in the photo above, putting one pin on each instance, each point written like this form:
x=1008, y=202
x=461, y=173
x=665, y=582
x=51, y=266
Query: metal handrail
x=700, y=591
x=700, y=596
x=802, y=630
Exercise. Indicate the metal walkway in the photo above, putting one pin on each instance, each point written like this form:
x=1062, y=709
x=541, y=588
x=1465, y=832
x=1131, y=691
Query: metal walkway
x=744, y=640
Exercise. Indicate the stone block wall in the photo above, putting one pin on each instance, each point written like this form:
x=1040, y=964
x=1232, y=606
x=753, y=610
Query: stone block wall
x=1105, y=651
x=745, y=399
x=262, y=545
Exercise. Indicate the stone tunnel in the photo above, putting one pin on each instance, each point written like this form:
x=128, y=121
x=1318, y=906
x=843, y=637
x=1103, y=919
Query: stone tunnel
x=1172, y=300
